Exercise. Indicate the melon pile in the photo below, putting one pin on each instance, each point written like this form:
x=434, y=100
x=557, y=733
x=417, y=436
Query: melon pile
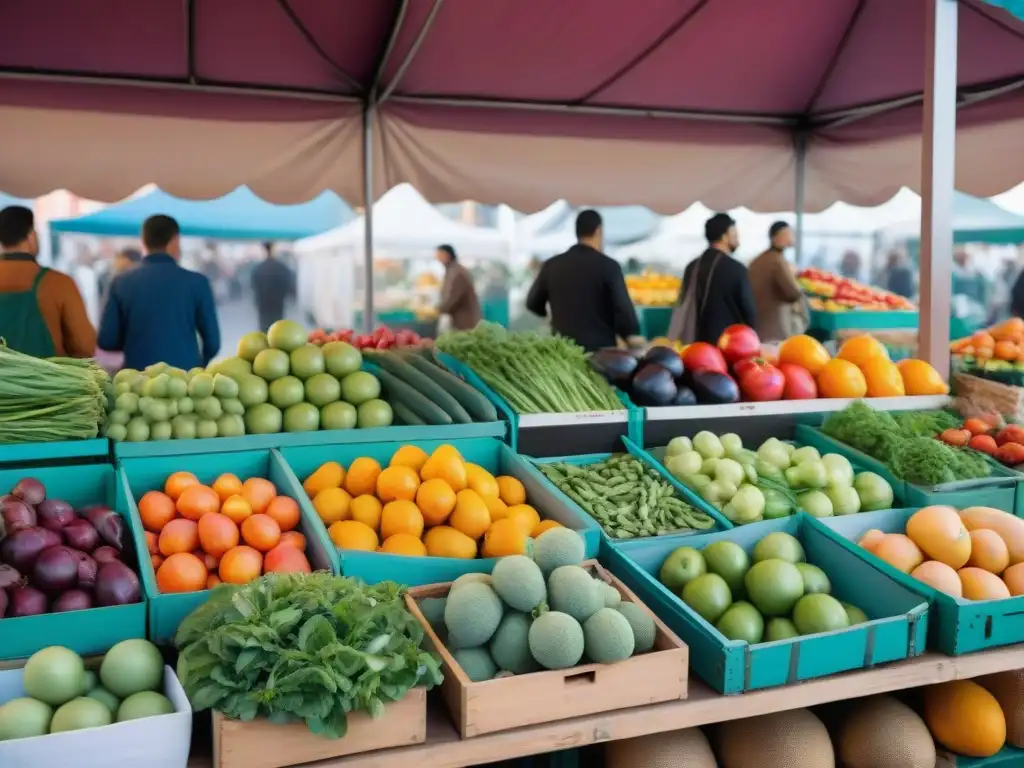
x=974, y=554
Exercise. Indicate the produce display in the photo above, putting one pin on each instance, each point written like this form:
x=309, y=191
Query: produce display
x=1005, y=445
x=628, y=499
x=63, y=694
x=905, y=443
x=42, y=400
x=769, y=594
x=650, y=289
x=382, y=338
x=976, y=554
x=308, y=647
x=278, y=382
x=535, y=373
x=994, y=353
x=833, y=293
x=435, y=505
x=54, y=558
x=545, y=612
x=775, y=481
x=231, y=531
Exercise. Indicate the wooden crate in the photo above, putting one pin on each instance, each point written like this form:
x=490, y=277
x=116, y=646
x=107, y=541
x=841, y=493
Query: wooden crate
x=550, y=695
x=262, y=744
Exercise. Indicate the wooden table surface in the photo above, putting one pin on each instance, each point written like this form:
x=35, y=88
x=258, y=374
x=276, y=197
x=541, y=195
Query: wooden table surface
x=444, y=748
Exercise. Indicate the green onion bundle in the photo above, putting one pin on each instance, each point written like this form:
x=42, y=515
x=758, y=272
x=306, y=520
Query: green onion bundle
x=43, y=400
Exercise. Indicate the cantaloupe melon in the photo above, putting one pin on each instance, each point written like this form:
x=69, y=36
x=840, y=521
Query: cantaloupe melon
x=1008, y=688
x=781, y=740
x=687, y=748
x=1008, y=526
x=940, y=533
x=882, y=732
x=965, y=718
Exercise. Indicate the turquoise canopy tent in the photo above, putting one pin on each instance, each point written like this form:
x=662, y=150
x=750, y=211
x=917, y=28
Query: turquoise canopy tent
x=975, y=220
x=239, y=215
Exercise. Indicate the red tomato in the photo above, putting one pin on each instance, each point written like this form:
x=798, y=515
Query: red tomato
x=799, y=383
x=761, y=381
x=984, y=444
x=1010, y=434
x=977, y=426
x=700, y=356
x=738, y=342
x=1010, y=454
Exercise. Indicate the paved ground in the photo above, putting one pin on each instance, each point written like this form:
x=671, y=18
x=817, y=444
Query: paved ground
x=237, y=318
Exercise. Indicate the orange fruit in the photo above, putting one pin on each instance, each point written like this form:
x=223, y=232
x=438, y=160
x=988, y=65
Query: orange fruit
x=939, y=576
x=411, y=456
x=332, y=505
x=349, y=534
x=804, y=351
x=366, y=509
x=285, y=510
x=436, y=500
x=497, y=507
x=178, y=482
x=285, y=559
x=941, y=535
x=362, y=476
x=213, y=580
x=982, y=585
x=988, y=551
x=899, y=551
x=236, y=508
x=155, y=561
x=919, y=378
x=240, y=565
x=293, y=539
x=841, y=378
x=261, y=532
x=217, y=533
x=503, y=538
x=198, y=500
x=883, y=378
x=543, y=526
x=259, y=492
x=511, y=491
x=397, y=484
x=871, y=538
x=178, y=536
x=156, y=510
x=401, y=517
x=860, y=350
x=181, y=572
x=526, y=516
x=328, y=475
x=481, y=481
x=210, y=561
x=445, y=541
x=470, y=515
x=227, y=485
x=404, y=544
x=1013, y=577
x=151, y=543
x=446, y=464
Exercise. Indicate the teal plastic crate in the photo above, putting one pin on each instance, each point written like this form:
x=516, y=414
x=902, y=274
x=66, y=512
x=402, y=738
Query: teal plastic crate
x=861, y=319
x=722, y=523
x=493, y=455
x=96, y=449
x=1007, y=757
x=94, y=630
x=896, y=630
x=957, y=626
x=140, y=475
x=806, y=434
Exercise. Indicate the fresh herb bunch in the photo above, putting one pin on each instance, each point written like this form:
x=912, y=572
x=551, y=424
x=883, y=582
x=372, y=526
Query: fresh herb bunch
x=311, y=647
x=927, y=423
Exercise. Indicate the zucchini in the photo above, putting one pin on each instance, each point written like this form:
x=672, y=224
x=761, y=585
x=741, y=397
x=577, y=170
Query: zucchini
x=420, y=405
x=423, y=384
x=406, y=416
x=474, y=402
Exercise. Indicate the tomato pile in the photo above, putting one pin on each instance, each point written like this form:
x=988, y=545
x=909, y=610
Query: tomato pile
x=382, y=338
x=1005, y=445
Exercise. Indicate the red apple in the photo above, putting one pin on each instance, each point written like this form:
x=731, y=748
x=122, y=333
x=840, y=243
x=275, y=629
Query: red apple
x=701, y=356
x=799, y=383
x=739, y=342
x=761, y=381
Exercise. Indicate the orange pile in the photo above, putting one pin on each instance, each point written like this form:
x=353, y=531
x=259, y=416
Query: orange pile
x=976, y=554
x=436, y=505
x=199, y=536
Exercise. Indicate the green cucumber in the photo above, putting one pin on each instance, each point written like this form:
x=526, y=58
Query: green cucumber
x=398, y=390
x=422, y=384
x=406, y=416
x=478, y=406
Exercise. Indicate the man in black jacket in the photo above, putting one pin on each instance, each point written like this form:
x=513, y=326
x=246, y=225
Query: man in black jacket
x=585, y=291
x=723, y=286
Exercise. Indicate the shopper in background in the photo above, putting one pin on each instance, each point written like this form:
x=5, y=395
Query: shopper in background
x=779, y=301
x=458, y=296
x=156, y=312
x=584, y=293
x=126, y=260
x=272, y=283
x=41, y=310
x=968, y=281
x=718, y=284
x=897, y=277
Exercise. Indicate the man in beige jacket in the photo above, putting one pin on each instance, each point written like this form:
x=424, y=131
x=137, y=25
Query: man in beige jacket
x=781, y=309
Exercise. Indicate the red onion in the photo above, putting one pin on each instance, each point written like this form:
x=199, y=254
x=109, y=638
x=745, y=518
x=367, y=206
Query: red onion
x=54, y=514
x=22, y=549
x=55, y=570
x=105, y=555
x=3, y=603
x=72, y=600
x=87, y=570
x=80, y=534
x=9, y=577
x=15, y=515
x=109, y=525
x=26, y=601
x=117, y=584
x=30, y=490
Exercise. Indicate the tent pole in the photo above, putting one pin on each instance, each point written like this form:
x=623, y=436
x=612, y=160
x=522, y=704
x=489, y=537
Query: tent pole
x=368, y=217
x=938, y=178
x=801, y=193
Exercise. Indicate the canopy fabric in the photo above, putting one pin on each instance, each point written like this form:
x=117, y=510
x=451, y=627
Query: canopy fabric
x=503, y=101
x=974, y=221
x=239, y=215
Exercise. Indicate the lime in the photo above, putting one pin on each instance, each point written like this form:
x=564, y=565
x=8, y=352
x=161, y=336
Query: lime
x=815, y=580
x=155, y=369
x=156, y=386
x=200, y=386
x=780, y=629
x=301, y=417
x=128, y=402
x=307, y=361
x=118, y=417
x=177, y=388
x=741, y=621
x=819, y=613
x=374, y=413
x=252, y=390
x=116, y=432
x=232, y=406
x=186, y=405
x=779, y=546
x=286, y=392
x=728, y=560
x=251, y=345
x=709, y=596
x=855, y=614
x=209, y=408
x=322, y=389
x=271, y=364
x=359, y=387
x=137, y=430
x=286, y=335
x=341, y=359
x=127, y=375
x=263, y=419
x=160, y=430
x=774, y=586
x=681, y=567
x=183, y=428
x=338, y=415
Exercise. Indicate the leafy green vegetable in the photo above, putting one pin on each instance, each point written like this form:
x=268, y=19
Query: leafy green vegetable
x=926, y=423
x=310, y=647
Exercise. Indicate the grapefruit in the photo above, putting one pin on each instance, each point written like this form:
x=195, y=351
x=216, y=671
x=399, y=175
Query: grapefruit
x=341, y=359
x=681, y=567
x=741, y=621
x=815, y=580
x=307, y=361
x=286, y=335
x=774, y=586
x=271, y=364
x=728, y=560
x=779, y=546
x=251, y=345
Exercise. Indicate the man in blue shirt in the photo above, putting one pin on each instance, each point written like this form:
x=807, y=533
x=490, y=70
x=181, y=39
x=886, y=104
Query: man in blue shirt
x=160, y=311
